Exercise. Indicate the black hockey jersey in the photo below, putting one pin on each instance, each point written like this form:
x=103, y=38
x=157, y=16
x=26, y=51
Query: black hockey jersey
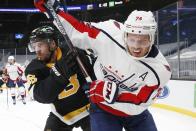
x=68, y=103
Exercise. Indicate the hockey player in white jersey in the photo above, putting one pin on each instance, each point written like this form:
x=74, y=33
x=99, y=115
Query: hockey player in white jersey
x=130, y=70
x=14, y=72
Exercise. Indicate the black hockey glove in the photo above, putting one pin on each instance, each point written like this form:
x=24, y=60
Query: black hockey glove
x=65, y=67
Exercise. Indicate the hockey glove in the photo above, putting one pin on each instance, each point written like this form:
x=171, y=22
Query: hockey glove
x=103, y=91
x=65, y=67
x=40, y=4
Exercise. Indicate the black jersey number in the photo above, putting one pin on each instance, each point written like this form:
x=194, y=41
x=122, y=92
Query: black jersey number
x=74, y=86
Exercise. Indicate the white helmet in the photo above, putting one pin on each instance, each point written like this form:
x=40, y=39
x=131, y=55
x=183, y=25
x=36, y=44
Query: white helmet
x=141, y=22
x=11, y=57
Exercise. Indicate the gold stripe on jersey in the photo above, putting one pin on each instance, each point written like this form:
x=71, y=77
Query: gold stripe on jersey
x=76, y=112
x=58, y=56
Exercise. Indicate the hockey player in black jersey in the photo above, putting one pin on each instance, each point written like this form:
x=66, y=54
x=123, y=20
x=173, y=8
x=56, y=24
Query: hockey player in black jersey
x=55, y=79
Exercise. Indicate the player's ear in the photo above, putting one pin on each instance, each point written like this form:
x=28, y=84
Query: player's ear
x=53, y=46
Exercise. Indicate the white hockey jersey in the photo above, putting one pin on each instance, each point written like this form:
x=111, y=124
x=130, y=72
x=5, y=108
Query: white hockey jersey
x=139, y=81
x=14, y=71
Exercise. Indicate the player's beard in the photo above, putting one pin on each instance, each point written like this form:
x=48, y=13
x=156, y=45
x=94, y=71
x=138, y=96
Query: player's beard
x=49, y=57
x=45, y=57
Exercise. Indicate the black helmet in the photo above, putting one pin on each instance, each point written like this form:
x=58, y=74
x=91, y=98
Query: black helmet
x=43, y=33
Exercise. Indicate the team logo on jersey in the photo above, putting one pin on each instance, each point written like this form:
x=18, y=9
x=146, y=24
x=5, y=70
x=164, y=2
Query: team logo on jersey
x=135, y=82
x=31, y=79
x=164, y=93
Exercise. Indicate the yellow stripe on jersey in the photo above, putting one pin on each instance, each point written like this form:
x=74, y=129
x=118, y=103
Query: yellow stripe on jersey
x=58, y=56
x=76, y=112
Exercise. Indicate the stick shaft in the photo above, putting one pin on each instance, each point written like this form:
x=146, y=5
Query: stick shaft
x=67, y=40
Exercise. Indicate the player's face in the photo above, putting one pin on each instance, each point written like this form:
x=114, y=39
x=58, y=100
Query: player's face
x=138, y=45
x=42, y=50
x=11, y=61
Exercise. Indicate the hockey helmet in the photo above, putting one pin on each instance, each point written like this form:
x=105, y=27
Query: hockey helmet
x=141, y=23
x=43, y=33
x=11, y=58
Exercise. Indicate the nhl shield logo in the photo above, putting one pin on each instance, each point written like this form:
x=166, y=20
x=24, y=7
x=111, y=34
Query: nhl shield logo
x=165, y=92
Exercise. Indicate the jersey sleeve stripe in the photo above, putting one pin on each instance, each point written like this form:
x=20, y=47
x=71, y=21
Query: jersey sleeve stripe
x=141, y=97
x=80, y=26
x=20, y=71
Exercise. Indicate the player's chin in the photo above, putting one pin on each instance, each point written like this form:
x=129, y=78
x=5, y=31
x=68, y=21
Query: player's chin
x=40, y=58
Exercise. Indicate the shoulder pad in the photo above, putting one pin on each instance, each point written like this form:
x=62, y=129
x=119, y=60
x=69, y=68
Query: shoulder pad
x=37, y=68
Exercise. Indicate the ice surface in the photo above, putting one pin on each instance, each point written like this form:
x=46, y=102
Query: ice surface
x=33, y=115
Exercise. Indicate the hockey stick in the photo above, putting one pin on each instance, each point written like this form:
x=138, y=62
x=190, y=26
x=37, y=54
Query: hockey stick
x=49, y=6
x=7, y=98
